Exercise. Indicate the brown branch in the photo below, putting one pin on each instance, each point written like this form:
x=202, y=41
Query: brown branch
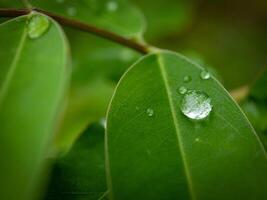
x=80, y=26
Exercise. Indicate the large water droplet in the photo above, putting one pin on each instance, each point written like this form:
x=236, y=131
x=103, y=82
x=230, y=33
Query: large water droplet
x=37, y=26
x=204, y=75
x=182, y=90
x=112, y=6
x=72, y=11
x=196, y=105
x=187, y=79
x=150, y=112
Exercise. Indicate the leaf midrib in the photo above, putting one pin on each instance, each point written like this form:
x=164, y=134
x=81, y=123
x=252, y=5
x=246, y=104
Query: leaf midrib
x=13, y=66
x=160, y=61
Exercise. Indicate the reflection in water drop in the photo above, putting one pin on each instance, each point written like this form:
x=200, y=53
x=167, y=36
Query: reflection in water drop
x=37, y=26
x=150, y=112
x=182, y=90
x=196, y=105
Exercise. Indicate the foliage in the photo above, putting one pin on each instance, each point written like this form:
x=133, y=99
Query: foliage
x=87, y=117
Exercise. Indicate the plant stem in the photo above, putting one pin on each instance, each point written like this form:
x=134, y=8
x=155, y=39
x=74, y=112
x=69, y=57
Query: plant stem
x=142, y=48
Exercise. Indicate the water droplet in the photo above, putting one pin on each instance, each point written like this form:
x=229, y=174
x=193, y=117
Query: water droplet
x=112, y=6
x=72, y=11
x=197, y=140
x=187, y=79
x=182, y=90
x=103, y=122
x=37, y=26
x=196, y=105
x=204, y=75
x=150, y=112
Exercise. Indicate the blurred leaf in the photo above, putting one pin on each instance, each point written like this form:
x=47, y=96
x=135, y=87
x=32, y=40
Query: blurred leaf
x=97, y=66
x=259, y=90
x=107, y=14
x=32, y=83
x=11, y=4
x=165, y=155
x=166, y=17
x=255, y=107
x=80, y=175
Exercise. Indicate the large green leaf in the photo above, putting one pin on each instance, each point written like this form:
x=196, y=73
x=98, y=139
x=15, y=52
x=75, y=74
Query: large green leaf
x=32, y=84
x=80, y=175
x=155, y=152
x=97, y=66
x=108, y=14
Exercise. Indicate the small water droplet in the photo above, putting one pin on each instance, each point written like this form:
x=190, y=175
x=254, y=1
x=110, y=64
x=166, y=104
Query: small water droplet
x=103, y=122
x=150, y=112
x=196, y=105
x=204, y=75
x=37, y=26
x=182, y=90
x=112, y=6
x=72, y=11
x=197, y=140
x=187, y=79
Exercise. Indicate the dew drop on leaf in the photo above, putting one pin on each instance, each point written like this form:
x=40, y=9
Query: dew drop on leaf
x=37, y=26
x=204, y=75
x=150, y=112
x=182, y=90
x=103, y=122
x=71, y=11
x=187, y=79
x=112, y=6
x=196, y=105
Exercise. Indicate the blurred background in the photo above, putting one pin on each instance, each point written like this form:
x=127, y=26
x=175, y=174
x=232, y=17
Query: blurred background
x=228, y=35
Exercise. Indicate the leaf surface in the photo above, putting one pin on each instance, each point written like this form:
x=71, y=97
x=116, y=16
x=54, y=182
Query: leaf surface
x=165, y=155
x=32, y=83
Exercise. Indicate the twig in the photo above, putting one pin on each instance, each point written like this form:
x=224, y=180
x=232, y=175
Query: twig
x=142, y=48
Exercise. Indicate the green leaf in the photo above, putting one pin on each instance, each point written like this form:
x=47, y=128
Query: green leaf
x=255, y=107
x=258, y=90
x=107, y=14
x=80, y=175
x=166, y=17
x=11, y=4
x=97, y=66
x=32, y=84
x=156, y=152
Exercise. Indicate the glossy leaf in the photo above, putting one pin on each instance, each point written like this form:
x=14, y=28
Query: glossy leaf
x=165, y=155
x=80, y=175
x=108, y=14
x=97, y=66
x=32, y=84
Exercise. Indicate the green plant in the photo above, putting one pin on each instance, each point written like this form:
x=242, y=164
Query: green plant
x=71, y=107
